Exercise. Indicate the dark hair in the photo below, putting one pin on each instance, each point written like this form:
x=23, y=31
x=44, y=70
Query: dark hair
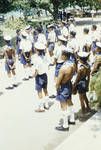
x=41, y=53
x=84, y=59
x=65, y=53
x=86, y=30
x=94, y=26
x=73, y=33
x=18, y=30
x=39, y=29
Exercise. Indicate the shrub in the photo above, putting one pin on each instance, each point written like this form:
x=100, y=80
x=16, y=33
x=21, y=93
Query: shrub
x=95, y=85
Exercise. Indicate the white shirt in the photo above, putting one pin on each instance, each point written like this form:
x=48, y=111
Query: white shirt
x=30, y=37
x=95, y=35
x=42, y=39
x=73, y=43
x=72, y=27
x=25, y=45
x=58, y=52
x=64, y=31
x=40, y=64
x=52, y=36
x=86, y=40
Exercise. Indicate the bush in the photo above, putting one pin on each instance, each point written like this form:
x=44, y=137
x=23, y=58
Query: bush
x=15, y=24
x=95, y=85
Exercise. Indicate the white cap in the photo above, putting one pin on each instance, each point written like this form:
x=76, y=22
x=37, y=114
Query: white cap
x=62, y=38
x=7, y=37
x=98, y=44
x=50, y=25
x=83, y=54
x=64, y=22
x=39, y=46
x=28, y=27
x=24, y=33
x=70, y=50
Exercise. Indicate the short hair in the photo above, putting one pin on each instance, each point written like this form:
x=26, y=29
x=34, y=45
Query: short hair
x=39, y=29
x=86, y=30
x=73, y=33
x=94, y=26
x=18, y=30
x=65, y=53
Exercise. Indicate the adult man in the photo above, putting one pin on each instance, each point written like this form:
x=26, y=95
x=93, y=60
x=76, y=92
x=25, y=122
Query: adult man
x=82, y=80
x=64, y=92
x=40, y=72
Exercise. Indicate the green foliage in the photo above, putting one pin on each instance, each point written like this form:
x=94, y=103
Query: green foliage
x=15, y=24
x=5, y=6
x=95, y=85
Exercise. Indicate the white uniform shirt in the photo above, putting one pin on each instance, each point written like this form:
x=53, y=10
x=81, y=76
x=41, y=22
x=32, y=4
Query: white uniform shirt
x=64, y=31
x=40, y=64
x=42, y=39
x=86, y=40
x=52, y=36
x=73, y=43
x=58, y=52
x=95, y=35
x=72, y=27
x=25, y=45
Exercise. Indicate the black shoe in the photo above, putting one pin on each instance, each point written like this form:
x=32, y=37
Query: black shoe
x=15, y=85
x=71, y=123
x=52, y=96
x=61, y=128
x=9, y=88
x=61, y=122
x=30, y=77
x=25, y=79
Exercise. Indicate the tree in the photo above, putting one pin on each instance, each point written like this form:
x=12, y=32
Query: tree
x=5, y=6
x=53, y=5
x=23, y=5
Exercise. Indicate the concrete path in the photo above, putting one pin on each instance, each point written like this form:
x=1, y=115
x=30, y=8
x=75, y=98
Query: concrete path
x=20, y=127
x=88, y=136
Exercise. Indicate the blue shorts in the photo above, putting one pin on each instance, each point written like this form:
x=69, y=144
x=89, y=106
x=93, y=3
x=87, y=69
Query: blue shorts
x=18, y=50
x=24, y=61
x=41, y=82
x=64, y=92
x=9, y=62
x=82, y=86
x=51, y=46
x=57, y=68
x=93, y=47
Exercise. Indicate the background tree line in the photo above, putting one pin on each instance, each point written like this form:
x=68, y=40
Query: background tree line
x=52, y=6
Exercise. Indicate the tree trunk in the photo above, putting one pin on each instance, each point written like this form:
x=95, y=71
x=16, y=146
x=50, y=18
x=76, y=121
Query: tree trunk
x=55, y=11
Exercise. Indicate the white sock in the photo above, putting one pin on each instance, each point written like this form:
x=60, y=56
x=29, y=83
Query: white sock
x=25, y=73
x=14, y=80
x=46, y=100
x=41, y=103
x=10, y=82
x=65, y=119
x=72, y=115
